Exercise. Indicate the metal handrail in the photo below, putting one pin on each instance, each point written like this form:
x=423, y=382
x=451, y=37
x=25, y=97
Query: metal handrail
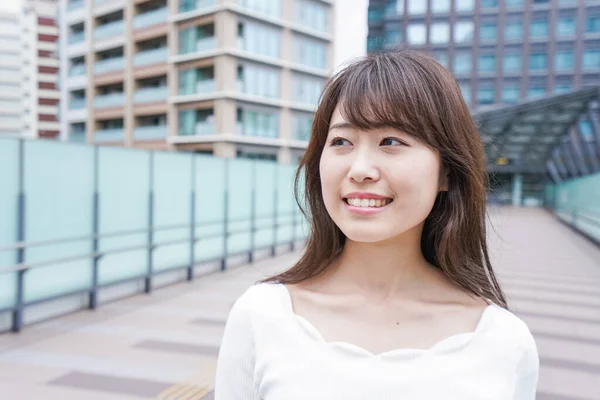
x=40, y=243
x=34, y=265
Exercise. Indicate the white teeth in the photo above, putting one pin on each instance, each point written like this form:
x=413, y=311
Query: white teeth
x=368, y=202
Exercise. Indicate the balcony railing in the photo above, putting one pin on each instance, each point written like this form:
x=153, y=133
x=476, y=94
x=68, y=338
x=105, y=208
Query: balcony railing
x=77, y=70
x=205, y=86
x=76, y=104
x=205, y=44
x=192, y=5
x=75, y=5
x=108, y=30
x=109, y=135
x=151, y=94
x=109, y=100
x=76, y=37
x=204, y=128
x=150, y=18
x=109, y=65
x=148, y=57
x=150, y=132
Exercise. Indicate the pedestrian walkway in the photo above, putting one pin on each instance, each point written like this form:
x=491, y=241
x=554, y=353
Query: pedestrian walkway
x=165, y=346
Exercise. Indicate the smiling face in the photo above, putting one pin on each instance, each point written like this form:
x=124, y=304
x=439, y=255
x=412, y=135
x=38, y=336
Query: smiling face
x=377, y=183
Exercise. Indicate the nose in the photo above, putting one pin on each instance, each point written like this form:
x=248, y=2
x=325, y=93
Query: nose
x=363, y=167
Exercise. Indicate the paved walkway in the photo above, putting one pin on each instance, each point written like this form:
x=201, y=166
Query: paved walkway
x=164, y=346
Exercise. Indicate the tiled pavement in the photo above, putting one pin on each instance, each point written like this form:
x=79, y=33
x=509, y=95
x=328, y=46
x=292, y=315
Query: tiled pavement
x=164, y=346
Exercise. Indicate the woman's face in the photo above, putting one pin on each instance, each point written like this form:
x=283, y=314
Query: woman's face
x=379, y=183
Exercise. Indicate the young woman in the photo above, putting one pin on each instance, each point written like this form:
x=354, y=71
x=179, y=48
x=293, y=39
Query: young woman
x=394, y=296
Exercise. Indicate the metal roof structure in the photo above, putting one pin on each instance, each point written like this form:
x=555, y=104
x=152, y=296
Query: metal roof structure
x=558, y=135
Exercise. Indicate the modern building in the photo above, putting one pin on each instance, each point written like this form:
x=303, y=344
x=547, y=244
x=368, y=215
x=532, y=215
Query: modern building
x=501, y=51
x=231, y=78
x=29, y=98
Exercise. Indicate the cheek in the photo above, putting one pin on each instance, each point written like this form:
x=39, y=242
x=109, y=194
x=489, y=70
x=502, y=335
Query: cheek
x=418, y=181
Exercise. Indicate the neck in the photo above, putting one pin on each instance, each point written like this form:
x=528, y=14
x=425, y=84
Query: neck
x=382, y=269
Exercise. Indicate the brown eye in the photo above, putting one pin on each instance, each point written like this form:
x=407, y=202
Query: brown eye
x=391, y=141
x=338, y=141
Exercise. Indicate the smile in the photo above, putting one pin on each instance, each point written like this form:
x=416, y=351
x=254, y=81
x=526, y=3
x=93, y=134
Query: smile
x=367, y=203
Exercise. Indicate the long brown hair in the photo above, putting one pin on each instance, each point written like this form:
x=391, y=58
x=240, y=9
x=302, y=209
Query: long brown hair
x=409, y=91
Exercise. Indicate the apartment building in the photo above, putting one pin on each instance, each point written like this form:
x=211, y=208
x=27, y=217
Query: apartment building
x=29, y=97
x=227, y=77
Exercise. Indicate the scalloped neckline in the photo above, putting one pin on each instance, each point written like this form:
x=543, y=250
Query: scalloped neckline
x=451, y=342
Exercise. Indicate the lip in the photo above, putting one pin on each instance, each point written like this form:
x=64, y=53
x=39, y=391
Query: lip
x=364, y=195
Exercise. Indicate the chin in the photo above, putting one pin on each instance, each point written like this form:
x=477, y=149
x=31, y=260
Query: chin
x=367, y=235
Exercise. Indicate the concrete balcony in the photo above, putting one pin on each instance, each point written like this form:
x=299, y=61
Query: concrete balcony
x=150, y=18
x=109, y=100
x=150, y=132
x=151, y=94
x=109, y=65
x=149, y=57
x=109, y=135
x=109, y=30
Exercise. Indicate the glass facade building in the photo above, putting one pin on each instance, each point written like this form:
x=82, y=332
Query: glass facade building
x=500, y=51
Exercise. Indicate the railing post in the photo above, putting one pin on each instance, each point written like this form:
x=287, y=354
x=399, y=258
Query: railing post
x=225, y=228
x=93, y=300
x=293, y=242
x=190, y=272
x=273, y=247
x=17, y=320
x=252, y=225
x=252, y=214
x=150, y=244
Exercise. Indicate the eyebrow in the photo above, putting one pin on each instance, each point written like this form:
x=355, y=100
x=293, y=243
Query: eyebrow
x=341, y=125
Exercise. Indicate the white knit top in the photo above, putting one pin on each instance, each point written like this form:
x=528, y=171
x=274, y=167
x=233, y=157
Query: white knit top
x=270, y=353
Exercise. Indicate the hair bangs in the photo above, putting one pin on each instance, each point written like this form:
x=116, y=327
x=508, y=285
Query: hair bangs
x=382, y=95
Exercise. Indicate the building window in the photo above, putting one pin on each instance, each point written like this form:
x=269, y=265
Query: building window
x=462, y=63
x=374, y=44
x=487, y=32
x=487, y=63
x=514, y=3
x=510, y=93
x=307, y=89
x=564, y=59
x=535, y=91
x=538, y=61
x=392, y=37
x=539, y=28
x=591, y=59
x=394, y=7
x=440, y=32
x=416, y=34
x=513, y=31
x=593, y=24
x=489, y=3
x=512, y=62
x=441, y=57
x=464, y=5
x=486, y=95
x=375, y=14
x=463, y=32
x=440, y=6
x=312, y=15
x=566, y=27
x=562, y=87
x=465, y=89
x=258, y=38
x=310, y=52
x=417, y=7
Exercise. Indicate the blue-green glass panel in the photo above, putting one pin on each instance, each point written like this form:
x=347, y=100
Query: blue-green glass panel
x=123, y=187
x=210, y=206
x=172, y=206
x=239, y=188
x=265, y=202
x=285, y=202
x=9, y=189
x=59, y=186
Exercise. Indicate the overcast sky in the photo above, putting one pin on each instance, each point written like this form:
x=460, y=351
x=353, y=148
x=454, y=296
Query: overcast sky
x=350, y=27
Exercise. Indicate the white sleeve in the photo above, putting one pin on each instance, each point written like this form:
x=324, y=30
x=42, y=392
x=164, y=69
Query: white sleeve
x=235, y=366
x=528, y=370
